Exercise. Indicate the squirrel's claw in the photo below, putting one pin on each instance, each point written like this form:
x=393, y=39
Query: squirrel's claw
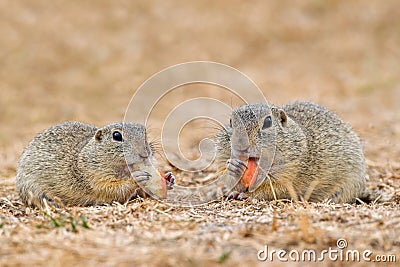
x=141, y=176
x=237, y=196
x=170, y=179
x=236, y=167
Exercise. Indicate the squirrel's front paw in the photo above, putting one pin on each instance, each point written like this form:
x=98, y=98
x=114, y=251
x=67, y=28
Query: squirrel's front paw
x=236, y=167
x=170, y=179
x=141, y=176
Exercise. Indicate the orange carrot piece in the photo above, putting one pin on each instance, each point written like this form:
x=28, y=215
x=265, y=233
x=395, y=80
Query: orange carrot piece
x=250, y=175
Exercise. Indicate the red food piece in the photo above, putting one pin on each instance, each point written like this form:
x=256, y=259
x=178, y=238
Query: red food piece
x=163, y=185
x=250, y=175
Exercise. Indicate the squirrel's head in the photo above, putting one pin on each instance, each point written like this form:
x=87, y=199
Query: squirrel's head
x=254, y=129
x=118, y=145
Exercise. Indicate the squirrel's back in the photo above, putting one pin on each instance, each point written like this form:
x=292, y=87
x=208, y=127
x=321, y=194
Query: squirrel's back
x=51, y=157
x=333, y=147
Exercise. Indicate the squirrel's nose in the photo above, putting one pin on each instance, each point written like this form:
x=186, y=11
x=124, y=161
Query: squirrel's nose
x=144, y=152
x=242, y=150
x=241, y=154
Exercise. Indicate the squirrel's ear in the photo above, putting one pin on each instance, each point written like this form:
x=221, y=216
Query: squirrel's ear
x=283, y=117
x=98, y=135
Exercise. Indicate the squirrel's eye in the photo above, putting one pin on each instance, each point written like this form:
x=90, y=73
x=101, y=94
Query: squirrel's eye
x=230, y=123
x=117, y=136
x=267, y=123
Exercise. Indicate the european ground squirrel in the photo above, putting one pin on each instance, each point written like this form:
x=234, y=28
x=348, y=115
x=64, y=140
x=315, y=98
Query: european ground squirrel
x=74, y=163
x=316, y=156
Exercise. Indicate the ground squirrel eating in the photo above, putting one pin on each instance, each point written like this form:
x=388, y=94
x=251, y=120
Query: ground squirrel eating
x=74, y=163
x=316, y=157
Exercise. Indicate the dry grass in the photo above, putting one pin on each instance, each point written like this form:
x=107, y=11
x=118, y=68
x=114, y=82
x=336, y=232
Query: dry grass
x=82, y=61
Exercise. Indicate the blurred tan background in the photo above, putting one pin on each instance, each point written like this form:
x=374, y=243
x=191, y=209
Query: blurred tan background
x=64, y=60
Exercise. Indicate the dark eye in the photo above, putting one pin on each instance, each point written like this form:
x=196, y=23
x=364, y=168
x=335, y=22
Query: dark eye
x=267, y=123
x=117, y=136
x=230, y=123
